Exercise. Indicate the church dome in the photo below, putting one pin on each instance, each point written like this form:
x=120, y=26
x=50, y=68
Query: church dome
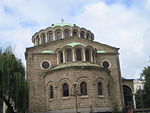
x=60, y=31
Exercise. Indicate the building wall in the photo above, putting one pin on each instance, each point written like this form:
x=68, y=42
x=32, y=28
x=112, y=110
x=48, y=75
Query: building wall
x=39, y=81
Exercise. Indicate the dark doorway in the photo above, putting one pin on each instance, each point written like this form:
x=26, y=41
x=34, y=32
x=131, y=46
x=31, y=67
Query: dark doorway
x=128, y=100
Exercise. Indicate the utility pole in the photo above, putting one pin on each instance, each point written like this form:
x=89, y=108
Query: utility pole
x=76, y=94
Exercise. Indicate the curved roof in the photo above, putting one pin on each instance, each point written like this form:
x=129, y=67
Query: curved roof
x=73, y=44
x=63, y=24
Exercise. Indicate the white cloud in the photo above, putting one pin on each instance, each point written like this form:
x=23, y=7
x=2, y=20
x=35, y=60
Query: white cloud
x=119, y=26
x=116, y=24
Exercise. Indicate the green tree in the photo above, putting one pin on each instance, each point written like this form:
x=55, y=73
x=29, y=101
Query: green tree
x=13, y=85
x=139, y=98
x=146, y=95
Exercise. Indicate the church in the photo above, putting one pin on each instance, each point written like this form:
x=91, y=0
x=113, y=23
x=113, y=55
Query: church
x=69, y=72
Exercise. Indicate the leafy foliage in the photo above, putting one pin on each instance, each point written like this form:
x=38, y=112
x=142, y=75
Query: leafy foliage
x=139, y=98
x=13, y=86
x=146, y=93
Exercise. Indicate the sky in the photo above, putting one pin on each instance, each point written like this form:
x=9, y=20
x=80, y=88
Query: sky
x=124, y=24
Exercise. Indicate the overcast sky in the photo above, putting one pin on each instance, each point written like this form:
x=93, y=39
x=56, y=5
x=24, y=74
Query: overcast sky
x=120, y=23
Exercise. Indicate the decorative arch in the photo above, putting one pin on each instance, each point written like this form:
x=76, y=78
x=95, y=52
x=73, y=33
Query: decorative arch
x=78, y=53
x=87, y=54
x=63, y=86
x=67, y=33
x=50, y=36
x=37, y=40
x=83, y=88
x=58, y=34
x=75, y=32
x=68, y=54
x=82, y=34
x=43, y=38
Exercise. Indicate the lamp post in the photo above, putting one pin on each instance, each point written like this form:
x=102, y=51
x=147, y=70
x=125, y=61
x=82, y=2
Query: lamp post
x=76, y=94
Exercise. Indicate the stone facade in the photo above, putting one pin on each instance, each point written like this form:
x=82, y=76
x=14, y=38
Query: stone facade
x=90, y=62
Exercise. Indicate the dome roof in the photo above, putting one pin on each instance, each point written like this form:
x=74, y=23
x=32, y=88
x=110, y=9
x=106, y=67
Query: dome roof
x=63, y=24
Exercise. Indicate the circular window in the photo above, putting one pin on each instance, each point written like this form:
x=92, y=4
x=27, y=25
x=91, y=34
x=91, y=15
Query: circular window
x=105, y=64
x=45, y=64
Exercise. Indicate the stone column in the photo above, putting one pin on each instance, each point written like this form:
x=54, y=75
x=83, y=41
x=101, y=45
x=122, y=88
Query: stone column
x=64, y=58
x=62, y=33
x=73, y=55
x=92, y=55
x=54, y=38
x=58, y=62
x=71, y=32
x=46, y=40
x=83, y=54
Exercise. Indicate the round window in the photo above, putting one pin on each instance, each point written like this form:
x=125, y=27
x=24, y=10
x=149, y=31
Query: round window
x=45, y=64
x=105, y=64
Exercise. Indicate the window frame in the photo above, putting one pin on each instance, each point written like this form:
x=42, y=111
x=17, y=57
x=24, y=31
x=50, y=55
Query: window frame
x=83, y=88
x=65, y=90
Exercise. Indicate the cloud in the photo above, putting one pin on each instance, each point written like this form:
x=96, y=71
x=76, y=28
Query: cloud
x=121, y=23
x=122, y=27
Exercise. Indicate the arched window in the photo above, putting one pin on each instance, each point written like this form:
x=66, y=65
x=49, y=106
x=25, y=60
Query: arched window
x=93, y=56
x=74, y=33
x=87, y=36
x=65, y=90
x=51, y=93
x=83, y=88
x=87, y=54
x=82, y=34
x=100, y=88
x=78, y=54
x=69, y=55
x=50, y=37
x=58, y=35
x=66, y=34
x=37, y=40
x=43, y=39
x=61, y=57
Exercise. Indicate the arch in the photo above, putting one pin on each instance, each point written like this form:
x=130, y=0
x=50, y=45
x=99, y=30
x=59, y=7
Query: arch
x=83, y=88
x=82, y=34
x=50, y=36
x=87, y=36
x=87, y=54
x=43, y=38
x=58, y=34
x=66, y=33
x=128, y=100
x=51, y=92
x=61, y=57
x=65, y=90
x=75, y=33
x=100, y=88
x=37, y=40
x=78, y=52
x=69, y=55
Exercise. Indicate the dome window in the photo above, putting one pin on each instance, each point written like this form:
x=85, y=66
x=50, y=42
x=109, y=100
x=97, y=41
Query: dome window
x=82, y=34
x=67, y=33
x=58, y=35
x=43, y=40
x=78, y=54
x=69, y=55
x=61, y=57
x=75, y=33
x=50, y=37
x=87, y=54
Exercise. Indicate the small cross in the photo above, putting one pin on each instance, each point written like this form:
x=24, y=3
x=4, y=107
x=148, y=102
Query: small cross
x=62, y=20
